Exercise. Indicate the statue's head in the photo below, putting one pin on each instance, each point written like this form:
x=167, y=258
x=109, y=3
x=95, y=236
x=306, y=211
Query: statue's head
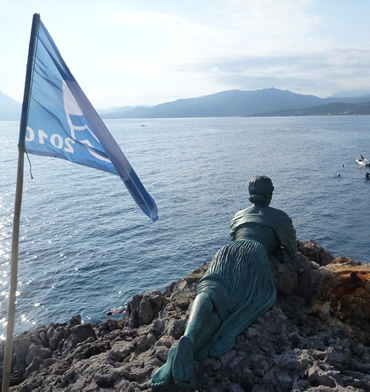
x=260, y=190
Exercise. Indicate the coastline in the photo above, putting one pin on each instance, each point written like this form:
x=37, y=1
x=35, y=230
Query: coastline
x=315, y=337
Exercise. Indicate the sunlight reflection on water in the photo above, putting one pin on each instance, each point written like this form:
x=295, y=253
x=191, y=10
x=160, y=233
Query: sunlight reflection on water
x=86, y=247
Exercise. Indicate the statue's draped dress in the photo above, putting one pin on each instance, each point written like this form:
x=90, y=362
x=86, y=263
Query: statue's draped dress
x=239, y=278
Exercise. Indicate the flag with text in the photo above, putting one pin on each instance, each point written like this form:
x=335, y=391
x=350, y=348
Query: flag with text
x=62, y=122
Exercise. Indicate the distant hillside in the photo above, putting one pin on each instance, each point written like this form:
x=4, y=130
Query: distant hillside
x=119, y=112
x=9, y=108
x=352, y=93
x=224, y=104
x=232, y=103
x=329, y=109
x=237, y=103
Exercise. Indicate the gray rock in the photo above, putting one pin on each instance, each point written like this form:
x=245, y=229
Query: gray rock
x=175, y=328
x=20, y=348
x=37, y=351
x=315, y=252
x=57, y=337
x=338, y=357
x=34, y=365
x=78, y=334
x=43, y=337
x=285, y=278
x=296, y=346
x=143, y=308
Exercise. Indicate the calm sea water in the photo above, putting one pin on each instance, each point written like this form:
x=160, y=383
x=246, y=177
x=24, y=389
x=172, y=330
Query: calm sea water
x=86, y=247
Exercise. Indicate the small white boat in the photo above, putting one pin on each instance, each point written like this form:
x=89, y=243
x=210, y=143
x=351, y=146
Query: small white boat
x=363, y=162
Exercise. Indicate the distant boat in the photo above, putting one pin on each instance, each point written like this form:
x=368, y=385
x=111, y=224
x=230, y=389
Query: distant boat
x=363, y=161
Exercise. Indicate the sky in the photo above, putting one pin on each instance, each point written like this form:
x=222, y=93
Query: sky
x=146, y=52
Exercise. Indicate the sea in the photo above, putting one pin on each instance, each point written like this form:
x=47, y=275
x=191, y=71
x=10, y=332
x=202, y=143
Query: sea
x=85, y=247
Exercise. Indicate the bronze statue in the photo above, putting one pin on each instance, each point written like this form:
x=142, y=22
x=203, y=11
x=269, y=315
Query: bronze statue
x=237, y=288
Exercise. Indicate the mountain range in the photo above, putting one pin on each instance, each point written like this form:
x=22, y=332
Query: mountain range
x=9, y=108
x=264, y=102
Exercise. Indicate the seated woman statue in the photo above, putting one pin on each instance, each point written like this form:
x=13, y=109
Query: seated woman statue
x=237, y=288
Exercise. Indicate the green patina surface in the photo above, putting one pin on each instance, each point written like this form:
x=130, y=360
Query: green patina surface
x=237, y=288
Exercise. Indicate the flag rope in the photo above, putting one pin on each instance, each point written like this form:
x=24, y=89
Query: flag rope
x=29, y=162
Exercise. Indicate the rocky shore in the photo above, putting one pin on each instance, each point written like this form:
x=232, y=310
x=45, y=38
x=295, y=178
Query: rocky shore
x=316, y=337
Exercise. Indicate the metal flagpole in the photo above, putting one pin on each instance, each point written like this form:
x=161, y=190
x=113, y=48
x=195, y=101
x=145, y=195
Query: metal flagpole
x=17, y=209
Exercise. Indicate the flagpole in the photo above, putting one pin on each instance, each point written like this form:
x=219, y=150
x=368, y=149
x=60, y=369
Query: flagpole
x=13, y=275
x=17, y=209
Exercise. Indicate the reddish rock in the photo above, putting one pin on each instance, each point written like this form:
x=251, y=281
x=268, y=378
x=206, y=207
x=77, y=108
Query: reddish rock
x=343, y=287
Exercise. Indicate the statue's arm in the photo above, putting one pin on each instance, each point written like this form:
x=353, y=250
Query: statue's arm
x=289, y=240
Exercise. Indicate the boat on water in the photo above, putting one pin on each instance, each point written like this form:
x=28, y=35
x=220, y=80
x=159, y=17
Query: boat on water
x=363, y=161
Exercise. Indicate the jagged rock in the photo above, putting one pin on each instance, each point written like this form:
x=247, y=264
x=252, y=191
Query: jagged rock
x=314, y=338
x=57, y=336
x=315, y=252
x=143, y=308
x=20, y=347
x=75, y=320
x=43, y=337
x=175, y=328
x=79, y=333
x=37, y=351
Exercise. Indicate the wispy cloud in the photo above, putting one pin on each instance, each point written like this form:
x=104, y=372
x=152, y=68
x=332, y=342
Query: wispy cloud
x=166, y=50
x=301, y=72
x=149, y=19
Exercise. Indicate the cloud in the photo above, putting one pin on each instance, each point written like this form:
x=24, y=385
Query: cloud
x=243, y=44
x=321, y=72
x=172, y=50
x=149, y=19
x=268, y=25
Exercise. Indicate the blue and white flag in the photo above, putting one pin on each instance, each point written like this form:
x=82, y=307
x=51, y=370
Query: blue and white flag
x=62, y=122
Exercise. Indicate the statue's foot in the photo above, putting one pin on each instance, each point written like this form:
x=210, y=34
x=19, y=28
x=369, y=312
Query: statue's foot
x=183, y=364
x=163, y=376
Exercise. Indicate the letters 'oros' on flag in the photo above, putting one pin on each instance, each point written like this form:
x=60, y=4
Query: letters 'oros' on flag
x=62, y=122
